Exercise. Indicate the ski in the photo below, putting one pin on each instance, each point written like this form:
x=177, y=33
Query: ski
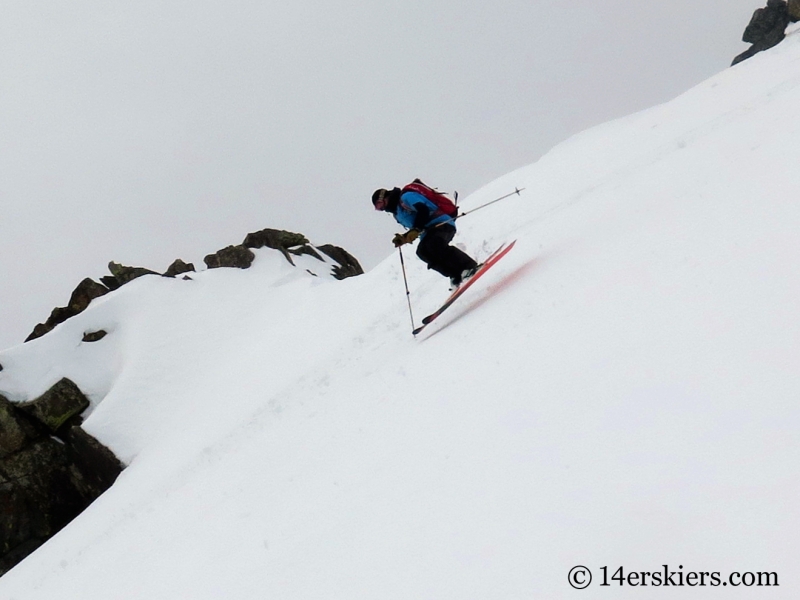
x=485, y=266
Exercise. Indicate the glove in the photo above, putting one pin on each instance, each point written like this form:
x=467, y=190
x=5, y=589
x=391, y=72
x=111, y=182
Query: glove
x=405, y=238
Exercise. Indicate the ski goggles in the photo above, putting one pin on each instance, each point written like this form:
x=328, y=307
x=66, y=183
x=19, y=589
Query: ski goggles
x=381, y=202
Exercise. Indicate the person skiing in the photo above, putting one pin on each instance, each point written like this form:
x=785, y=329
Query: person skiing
x=433, y=223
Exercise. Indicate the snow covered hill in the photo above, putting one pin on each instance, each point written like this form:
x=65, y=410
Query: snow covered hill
x=621, y=390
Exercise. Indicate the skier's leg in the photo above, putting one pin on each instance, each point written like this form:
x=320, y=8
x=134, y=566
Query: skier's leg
x=435, y=250
x=432, y=250
x=460, y=260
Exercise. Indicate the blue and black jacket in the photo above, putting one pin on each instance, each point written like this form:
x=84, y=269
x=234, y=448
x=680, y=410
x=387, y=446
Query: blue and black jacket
x=415, y=211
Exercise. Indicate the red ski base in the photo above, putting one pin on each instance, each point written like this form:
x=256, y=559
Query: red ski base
x=487, y=264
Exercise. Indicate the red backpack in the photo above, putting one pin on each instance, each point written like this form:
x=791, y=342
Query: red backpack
x=442, y=202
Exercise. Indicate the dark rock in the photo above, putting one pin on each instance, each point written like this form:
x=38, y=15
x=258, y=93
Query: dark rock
x=80, y=299
x=125, y=274
x=121, y=274
x=761, y=23
x=38, y=331
x=44, y=490
x=96, y=464
x=274, y=238
x=94, y=336
x=348, y=265
x=305, y=249
x=83, y=295
x=749, y=53
x=18, y=553
x=38, y=498
x=766, y=29
x=16, y=428
x=297, y=244
x=238, y=257
x=278, y=240
x=178, y=268
x=57, y=405
x=24, y=464
x=110, y=282
x=45, y=481
x=794, y=10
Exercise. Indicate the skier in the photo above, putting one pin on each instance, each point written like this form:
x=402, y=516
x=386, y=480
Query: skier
x=434, y=227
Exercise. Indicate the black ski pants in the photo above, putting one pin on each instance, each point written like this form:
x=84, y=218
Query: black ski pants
x=435, y=250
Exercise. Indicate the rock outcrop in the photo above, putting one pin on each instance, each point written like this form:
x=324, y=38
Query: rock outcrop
x=285, y=242
x=178, y=267
x=348, y=265
x=121, y=274
x=767, y=27
x=237, y=257
x=57, y=405
x=50, y=469
x=794, y=10
x=87, y=290
x=289, y=244
x=240, y=257
x=274, y=238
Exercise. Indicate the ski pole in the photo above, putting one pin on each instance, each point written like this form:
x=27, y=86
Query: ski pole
x=405, y=281
x=464, y=214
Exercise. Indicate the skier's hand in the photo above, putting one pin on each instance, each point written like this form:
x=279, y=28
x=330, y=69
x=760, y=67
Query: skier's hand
x=405, y=238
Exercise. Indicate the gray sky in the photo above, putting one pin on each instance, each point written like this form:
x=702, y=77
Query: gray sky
x=143, y=132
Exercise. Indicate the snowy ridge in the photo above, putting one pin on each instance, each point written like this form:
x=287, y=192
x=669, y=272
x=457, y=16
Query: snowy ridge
x=621, y=390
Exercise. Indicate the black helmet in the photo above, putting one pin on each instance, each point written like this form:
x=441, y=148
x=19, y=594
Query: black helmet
x=380, y=199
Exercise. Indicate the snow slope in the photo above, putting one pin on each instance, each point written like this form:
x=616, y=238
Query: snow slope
x=621, y=390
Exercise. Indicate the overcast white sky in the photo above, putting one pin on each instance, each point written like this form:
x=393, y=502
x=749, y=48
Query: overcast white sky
x=143, y=132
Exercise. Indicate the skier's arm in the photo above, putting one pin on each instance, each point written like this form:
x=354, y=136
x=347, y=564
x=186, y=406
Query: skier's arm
x=422, y=217
x=413, y=211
